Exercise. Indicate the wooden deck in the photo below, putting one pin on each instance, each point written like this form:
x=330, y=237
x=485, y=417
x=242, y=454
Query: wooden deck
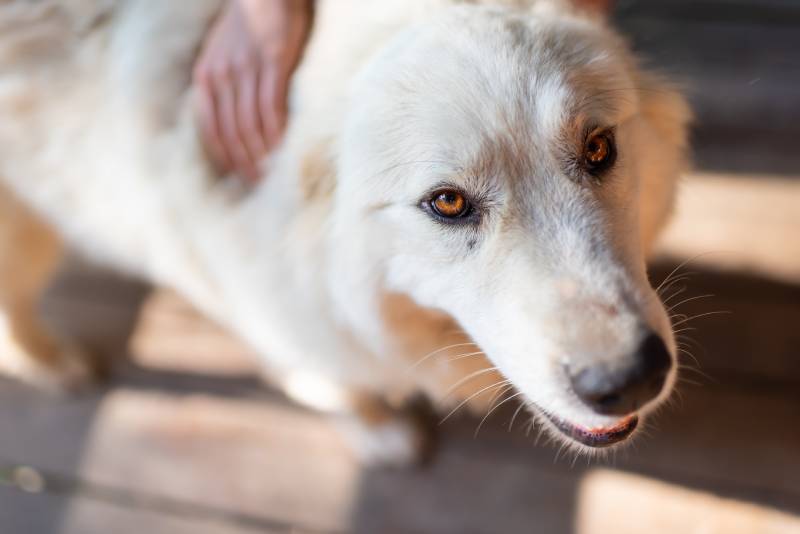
x=183, y=438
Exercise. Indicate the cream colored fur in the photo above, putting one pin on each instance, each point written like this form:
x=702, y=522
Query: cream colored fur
x=330, y=269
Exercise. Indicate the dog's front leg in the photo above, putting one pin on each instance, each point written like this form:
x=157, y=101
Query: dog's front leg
x=29, y=254
x=378, y=432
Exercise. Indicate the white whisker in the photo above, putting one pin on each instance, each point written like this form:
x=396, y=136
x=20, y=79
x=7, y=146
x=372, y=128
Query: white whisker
x=462, y=403
x=679, y=267
x=684, y=301
x=721, y=312
x=516, y=413
x=438, y=351
x=680, y=291
x=467, y=355
x=485, y=417
x=468, y=378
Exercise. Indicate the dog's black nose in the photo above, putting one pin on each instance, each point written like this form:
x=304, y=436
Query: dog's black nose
x=619, y=389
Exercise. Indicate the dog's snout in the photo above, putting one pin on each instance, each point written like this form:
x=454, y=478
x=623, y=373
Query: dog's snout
x=620, y=389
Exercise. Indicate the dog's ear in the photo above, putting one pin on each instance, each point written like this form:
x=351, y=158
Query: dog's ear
x=661, y=150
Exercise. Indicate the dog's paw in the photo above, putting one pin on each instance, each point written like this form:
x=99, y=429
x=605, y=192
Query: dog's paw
x=394, y=443
x=382, y=437
x=75, y=369
x=63, y=369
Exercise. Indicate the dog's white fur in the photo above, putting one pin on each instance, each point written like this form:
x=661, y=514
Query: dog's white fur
x=330, y=269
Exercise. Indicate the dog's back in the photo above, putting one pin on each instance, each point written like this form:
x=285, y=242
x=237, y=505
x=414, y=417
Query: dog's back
x=94, y=99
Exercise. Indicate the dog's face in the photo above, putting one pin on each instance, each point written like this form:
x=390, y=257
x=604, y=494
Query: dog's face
x=511, y=170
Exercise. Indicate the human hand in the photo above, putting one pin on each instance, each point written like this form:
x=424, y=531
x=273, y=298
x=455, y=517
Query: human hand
x=242, y=76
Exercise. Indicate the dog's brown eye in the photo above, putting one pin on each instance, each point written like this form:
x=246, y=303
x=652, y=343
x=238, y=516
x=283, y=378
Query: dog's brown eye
x=450, y=204
x=598, y=152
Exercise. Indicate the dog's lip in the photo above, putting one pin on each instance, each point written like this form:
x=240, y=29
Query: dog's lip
x=597, y=437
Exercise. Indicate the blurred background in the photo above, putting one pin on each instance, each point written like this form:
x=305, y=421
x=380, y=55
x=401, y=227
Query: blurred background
x=184, y=439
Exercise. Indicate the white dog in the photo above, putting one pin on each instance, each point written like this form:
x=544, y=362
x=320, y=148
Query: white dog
x=462, y=204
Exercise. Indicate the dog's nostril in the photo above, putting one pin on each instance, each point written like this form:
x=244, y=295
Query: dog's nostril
x=653, y=357
x=623, y=388
x=609, y=400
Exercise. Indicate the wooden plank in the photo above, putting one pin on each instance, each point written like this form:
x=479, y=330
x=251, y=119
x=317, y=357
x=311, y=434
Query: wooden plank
x=22, y=513
x=736, y=61
x=744, y=223
x=94, y=307
x=501, y=483
x=278, y=463
x=762, y=12
x=171, y=335
x=267, y=461
x=627, y=504
x=750, y=343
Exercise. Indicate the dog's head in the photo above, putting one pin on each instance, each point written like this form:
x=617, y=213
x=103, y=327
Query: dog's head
x=511, y=169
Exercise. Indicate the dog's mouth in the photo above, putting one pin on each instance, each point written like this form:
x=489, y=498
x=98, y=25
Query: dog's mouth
x=596, y=437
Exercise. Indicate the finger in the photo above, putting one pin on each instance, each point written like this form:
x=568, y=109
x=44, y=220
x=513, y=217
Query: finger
x=266, y=101
x=290, y=60
x=281, y=99
x=232, y=140
x=249, y=116
x=275, y=98
x=209, y=129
